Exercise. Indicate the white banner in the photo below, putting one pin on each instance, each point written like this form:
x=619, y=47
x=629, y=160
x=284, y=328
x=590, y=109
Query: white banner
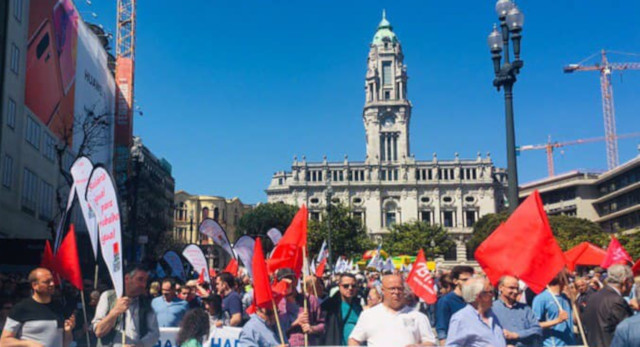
x=244, y=249
x=102, y=199
x=212, y=229
x=275, y=235
x=196, y=258
x=173, y=259
x=81, y=170
x=218, y=337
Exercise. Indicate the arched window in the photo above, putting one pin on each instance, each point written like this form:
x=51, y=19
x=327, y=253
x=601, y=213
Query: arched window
x=216, y=214
x=391, y=214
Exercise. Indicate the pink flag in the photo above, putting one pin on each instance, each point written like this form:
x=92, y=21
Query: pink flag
x=615, y=254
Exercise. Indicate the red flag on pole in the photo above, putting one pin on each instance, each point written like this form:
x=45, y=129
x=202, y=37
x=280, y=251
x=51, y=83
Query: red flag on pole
x=420, y=280
x=320, y=269
x=232, y=267
x=636, y=268
x=288, y=252
x=523, y=246
x=48, y=261
x=262, y=295
x=201, y=277
x=616, y=254
x=68, y=263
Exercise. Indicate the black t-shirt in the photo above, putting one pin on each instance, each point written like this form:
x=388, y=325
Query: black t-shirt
x=31, y=320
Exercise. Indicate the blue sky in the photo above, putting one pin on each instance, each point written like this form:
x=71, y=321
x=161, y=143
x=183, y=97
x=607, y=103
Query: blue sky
x=232, y=90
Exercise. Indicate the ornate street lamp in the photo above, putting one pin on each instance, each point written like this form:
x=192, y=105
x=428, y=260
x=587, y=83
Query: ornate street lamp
x=329, y=193
x=511, y=20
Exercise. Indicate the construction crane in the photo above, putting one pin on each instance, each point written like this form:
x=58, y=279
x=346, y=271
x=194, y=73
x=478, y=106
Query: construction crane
x=608, y=111
x=550, y=146
x=125, y=67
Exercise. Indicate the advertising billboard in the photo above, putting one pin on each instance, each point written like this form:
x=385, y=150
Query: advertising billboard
x=67, y=76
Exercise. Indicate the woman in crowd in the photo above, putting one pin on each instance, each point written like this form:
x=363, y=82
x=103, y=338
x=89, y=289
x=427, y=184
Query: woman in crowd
x=374, y=297
x=194, y=328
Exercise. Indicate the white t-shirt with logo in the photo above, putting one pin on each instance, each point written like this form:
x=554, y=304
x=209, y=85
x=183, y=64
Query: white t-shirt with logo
x=380, y=326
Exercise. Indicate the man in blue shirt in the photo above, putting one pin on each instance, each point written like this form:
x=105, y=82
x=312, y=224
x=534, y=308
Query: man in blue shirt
x=231, y=301
x=168, y=308
x=261, y=330
x=475, y=325
x=452, y=302
x=521, y=327
x=556, y=324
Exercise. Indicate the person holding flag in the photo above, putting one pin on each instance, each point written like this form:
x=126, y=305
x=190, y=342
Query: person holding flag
x=133, y=310
x=553, y=310
x=38, y=320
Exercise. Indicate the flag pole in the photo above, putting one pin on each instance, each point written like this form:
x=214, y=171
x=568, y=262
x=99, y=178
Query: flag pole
x=575, y=309
x=304, y=289
x=95, y=278
x=84, y=313
x=275, y=314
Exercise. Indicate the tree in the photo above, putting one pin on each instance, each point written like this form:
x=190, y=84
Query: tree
x=409, y=238
x=266, y=216
x=348, y=234
x=568, y=231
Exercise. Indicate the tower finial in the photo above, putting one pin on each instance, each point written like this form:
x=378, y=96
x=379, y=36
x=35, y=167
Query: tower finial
x=384, y=13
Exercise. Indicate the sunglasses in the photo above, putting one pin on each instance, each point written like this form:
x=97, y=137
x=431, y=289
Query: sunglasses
x=348, y=286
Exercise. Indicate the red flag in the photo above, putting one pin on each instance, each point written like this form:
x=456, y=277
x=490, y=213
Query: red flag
x=420, y=280
x=262, y=295
x=636, y=268
x=48, y=261
x=232, y=267
x=68, y=263
x=523, y=246
x=212, y=273
x=288, y=252
x=616, y=254
x=201, y=277
x=320, y=268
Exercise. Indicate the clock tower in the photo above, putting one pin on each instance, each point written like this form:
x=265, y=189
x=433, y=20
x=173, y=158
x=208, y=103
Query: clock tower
x=387, y=110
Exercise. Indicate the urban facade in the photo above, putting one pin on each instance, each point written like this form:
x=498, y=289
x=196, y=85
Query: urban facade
x=611, y=199
x=151, y=200
x=392, y=186
x=191, y=210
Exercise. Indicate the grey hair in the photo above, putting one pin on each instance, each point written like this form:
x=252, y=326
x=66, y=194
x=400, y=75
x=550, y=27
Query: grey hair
x=618, y=274
x=472, y=288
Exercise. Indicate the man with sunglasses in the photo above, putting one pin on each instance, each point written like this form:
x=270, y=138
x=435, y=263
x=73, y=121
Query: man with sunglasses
x=451, y=302
x=392, y=323
x=521, y=327
x=342, y=311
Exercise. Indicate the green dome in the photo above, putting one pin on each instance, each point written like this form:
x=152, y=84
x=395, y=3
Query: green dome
x=385, y=30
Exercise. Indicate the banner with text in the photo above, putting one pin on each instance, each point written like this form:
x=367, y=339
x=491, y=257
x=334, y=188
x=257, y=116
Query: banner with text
x=244, y=249
x=175, y=263
x=80, y=171
x=275, y=235
x=196, y=258
x=102, y=199
x=218, y=337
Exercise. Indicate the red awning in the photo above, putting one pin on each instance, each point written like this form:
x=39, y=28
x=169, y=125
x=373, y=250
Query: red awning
x=584, y=254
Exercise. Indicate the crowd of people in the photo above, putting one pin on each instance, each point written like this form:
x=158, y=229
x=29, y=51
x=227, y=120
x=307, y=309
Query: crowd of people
x=342, y=309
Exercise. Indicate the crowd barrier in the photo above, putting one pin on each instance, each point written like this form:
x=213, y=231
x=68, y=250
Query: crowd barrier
x=218, y=337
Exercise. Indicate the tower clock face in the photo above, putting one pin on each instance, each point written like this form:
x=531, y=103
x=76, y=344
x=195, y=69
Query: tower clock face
x=388, y=121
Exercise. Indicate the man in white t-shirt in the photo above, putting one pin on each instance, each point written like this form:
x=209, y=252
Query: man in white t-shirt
x=392, y=323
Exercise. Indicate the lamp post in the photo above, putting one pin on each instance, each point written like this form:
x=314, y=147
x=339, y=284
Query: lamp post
x=433, y=249
x=511, y=20
x=329, y=192
x=191, y=236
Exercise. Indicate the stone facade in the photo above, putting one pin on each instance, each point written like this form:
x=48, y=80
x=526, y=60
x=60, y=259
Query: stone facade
x=391, y=185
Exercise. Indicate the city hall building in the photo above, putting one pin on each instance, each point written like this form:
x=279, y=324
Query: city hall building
x=391, y=185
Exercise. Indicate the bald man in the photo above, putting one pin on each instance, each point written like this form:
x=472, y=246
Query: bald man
x=38, y=320
x=392, y=323
x=519, y=323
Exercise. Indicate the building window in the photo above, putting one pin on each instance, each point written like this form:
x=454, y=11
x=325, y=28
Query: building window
x=390, y=214
x=470, y=218
x=49, y=147
x=359, y=216
x=33, y=132
x=387, y=78
x=15, y=58
x=387, y=95
x=46, y=201
x=314, y=216
x=7, y=171
x=29, y=191
x=17, y=10
x=425, y=216
x=11, y=114
x=448, y=219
